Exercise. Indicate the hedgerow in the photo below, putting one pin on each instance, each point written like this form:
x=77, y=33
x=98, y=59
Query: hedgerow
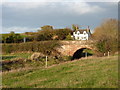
x=45, y=47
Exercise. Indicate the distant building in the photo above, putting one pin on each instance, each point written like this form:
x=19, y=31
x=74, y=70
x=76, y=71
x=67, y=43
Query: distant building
x=81, y=34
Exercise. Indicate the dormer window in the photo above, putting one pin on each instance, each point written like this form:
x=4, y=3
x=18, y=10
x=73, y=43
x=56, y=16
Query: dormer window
x=78, y=32
x=84, y=33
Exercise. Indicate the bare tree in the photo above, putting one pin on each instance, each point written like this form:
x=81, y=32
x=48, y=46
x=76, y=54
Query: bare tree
x=107, y=36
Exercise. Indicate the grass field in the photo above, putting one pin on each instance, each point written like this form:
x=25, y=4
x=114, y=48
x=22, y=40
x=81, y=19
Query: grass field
x=95, y=72
x=16, y=55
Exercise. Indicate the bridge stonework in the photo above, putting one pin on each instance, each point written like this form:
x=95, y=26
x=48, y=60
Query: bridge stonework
x=68, y=48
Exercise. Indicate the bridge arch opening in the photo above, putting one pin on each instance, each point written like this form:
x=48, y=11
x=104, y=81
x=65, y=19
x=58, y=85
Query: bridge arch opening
x=83, y=52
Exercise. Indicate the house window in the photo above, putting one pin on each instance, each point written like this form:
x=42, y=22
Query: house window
x=84, y=33
x=84, y=37
x=78, y=38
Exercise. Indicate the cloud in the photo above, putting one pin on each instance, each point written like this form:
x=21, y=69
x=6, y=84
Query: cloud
x=83, y=8
x=25, y=16
x=28, y=4
x=18, y=29
x=75, y=6
x=24, y=5
x=60, y=1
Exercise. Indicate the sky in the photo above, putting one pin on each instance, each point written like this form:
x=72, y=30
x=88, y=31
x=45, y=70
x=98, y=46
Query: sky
x=28, y=16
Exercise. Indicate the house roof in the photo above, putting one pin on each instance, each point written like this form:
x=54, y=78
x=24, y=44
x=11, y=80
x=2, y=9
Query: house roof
x=82, y=30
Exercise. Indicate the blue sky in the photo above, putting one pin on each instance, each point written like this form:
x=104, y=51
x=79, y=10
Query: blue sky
x=29, y=16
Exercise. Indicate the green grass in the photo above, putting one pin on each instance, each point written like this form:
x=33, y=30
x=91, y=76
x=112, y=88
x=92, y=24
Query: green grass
x=85, y=73
x=16, y=55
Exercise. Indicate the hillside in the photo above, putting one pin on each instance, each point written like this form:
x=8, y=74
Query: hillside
x=95, y=72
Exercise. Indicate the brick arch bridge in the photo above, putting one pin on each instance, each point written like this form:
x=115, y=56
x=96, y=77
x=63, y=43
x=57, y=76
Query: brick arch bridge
x=68, y=48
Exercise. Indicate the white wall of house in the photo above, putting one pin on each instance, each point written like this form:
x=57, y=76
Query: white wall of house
x=79, y=36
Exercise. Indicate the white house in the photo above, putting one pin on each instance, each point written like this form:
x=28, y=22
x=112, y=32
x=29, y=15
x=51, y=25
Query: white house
x=83, y=34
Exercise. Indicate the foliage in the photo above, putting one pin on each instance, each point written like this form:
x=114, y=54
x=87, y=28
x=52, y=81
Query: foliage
x=45, y=47
x=68, y=37
x=11, y=38
x=62, y=33
x=48, y=34
x=107, y=36
x=45, y=33
x=75, y=27
x=47, y=28
x=8, y=48
x=36, y=56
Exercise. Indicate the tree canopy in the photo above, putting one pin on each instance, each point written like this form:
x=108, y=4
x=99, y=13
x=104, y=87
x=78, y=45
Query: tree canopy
x=107, y=36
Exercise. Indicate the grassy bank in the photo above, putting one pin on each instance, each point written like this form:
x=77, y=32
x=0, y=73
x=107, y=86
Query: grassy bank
x=16, y=55
x=85, y=73
x=22, y=60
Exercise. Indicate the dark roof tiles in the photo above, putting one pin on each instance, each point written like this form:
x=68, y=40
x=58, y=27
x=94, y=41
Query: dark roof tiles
x=82, y=30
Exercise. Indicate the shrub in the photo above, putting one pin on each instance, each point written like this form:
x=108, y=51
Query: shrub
x=45, y=47
x=37, y=56
x=107, y=36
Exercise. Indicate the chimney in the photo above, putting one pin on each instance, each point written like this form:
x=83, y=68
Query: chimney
x=88, y=29
x=76, y=27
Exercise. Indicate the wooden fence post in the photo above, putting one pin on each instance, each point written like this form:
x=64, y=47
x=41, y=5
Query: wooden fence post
x=24, y=39
x=86, y=54
x=46, y=62
x=108, y=53
x=104, y=54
